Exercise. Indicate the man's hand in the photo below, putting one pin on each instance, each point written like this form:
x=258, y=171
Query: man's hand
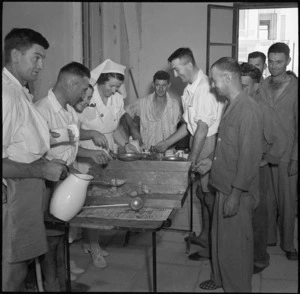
x=54, y=170
x=293, y=167
x=161, y=146
x=203, y=166
x=99, y=140
x=232, y=203
x=99, y=156
x=193, y=160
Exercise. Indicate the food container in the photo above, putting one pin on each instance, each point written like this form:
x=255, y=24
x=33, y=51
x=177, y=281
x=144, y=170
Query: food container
x=173, y=158
x=129, y=156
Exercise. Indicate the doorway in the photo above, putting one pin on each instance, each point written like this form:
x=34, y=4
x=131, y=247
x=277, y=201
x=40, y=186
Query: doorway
x=246, y=27
x=260, y=28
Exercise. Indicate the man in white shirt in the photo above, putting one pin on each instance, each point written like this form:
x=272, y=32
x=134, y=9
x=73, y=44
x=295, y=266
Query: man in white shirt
x=57, y=108
x=159, y=113
x=25, y=140
x=201, y=113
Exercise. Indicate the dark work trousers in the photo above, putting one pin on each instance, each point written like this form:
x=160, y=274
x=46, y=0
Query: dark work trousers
x=285, y=188
x=271, y=206
x=260, y=221
x=232, y=245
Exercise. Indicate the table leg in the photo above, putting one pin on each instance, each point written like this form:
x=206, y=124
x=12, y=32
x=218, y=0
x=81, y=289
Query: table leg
x=154, y=261
x=191, y=207
x=127, y=237
x=67, y=259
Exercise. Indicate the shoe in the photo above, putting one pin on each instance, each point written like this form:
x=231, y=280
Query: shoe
x=258, y=269
x=99, y=261
x=292, y=255
x=75, y=269
x=209, y=285
x=196, y=240
x=87, y=249
x=197, y=257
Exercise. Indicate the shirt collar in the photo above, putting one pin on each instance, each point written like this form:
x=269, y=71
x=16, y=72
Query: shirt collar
x=56, y=105
x=191, y=88
x=230, y=105
x=15, y=81
x=169, y=104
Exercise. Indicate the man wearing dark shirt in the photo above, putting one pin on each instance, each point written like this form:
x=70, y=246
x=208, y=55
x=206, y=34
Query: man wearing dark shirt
x=274, y=146
x=235, y=175
x=280, y=92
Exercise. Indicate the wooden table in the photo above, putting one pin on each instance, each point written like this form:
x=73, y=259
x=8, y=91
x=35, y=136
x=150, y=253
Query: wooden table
x=168, y=181
x=128, y=225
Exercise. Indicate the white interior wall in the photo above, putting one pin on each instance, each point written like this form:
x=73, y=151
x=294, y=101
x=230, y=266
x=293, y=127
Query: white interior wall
x=164, y=28
x=155, y=31
x=59, y=23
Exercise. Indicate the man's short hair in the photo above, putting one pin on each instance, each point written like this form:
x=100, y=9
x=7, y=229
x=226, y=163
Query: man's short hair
x=280, y=48
x=183, y=53
x=257, y=54
x=228, y=64
x=75, y=68
x=22, y=40
x=161, y=75
x=249, y=70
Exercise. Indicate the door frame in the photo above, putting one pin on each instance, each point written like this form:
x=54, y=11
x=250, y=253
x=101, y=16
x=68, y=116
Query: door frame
x=264, y=5
x=235, y=31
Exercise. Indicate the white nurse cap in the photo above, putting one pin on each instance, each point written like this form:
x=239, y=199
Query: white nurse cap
x=106, y=67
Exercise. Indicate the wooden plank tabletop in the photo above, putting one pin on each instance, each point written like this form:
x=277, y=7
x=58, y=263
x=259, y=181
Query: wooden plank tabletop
x=167, y=180
x=109, y=224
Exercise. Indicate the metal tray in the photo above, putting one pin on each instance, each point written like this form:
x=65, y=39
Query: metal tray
x=129, y=156
x=173, y=158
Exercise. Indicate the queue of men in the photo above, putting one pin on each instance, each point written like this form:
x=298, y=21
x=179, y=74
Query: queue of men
x=243, y=149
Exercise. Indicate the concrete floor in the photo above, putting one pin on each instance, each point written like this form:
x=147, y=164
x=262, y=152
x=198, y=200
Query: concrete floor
x=130, y=268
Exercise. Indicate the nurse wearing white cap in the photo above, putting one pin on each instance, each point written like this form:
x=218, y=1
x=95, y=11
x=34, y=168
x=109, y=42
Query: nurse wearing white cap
x=109, y=92
x=104, y=117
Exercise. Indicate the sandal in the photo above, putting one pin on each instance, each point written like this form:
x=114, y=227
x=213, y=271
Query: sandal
x=209, y=285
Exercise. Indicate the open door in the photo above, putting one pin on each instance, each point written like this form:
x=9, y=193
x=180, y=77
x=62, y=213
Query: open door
x=222, y=33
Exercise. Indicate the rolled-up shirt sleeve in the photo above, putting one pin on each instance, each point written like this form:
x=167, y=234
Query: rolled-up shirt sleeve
x=250, y=146
x=206, y=105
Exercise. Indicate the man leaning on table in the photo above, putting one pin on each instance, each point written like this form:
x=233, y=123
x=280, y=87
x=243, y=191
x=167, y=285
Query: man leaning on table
x=57, y=109
x=201, y=113
x=26, y=139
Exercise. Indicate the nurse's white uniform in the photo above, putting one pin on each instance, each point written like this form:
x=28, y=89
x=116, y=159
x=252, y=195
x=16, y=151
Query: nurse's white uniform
x=102, y=118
